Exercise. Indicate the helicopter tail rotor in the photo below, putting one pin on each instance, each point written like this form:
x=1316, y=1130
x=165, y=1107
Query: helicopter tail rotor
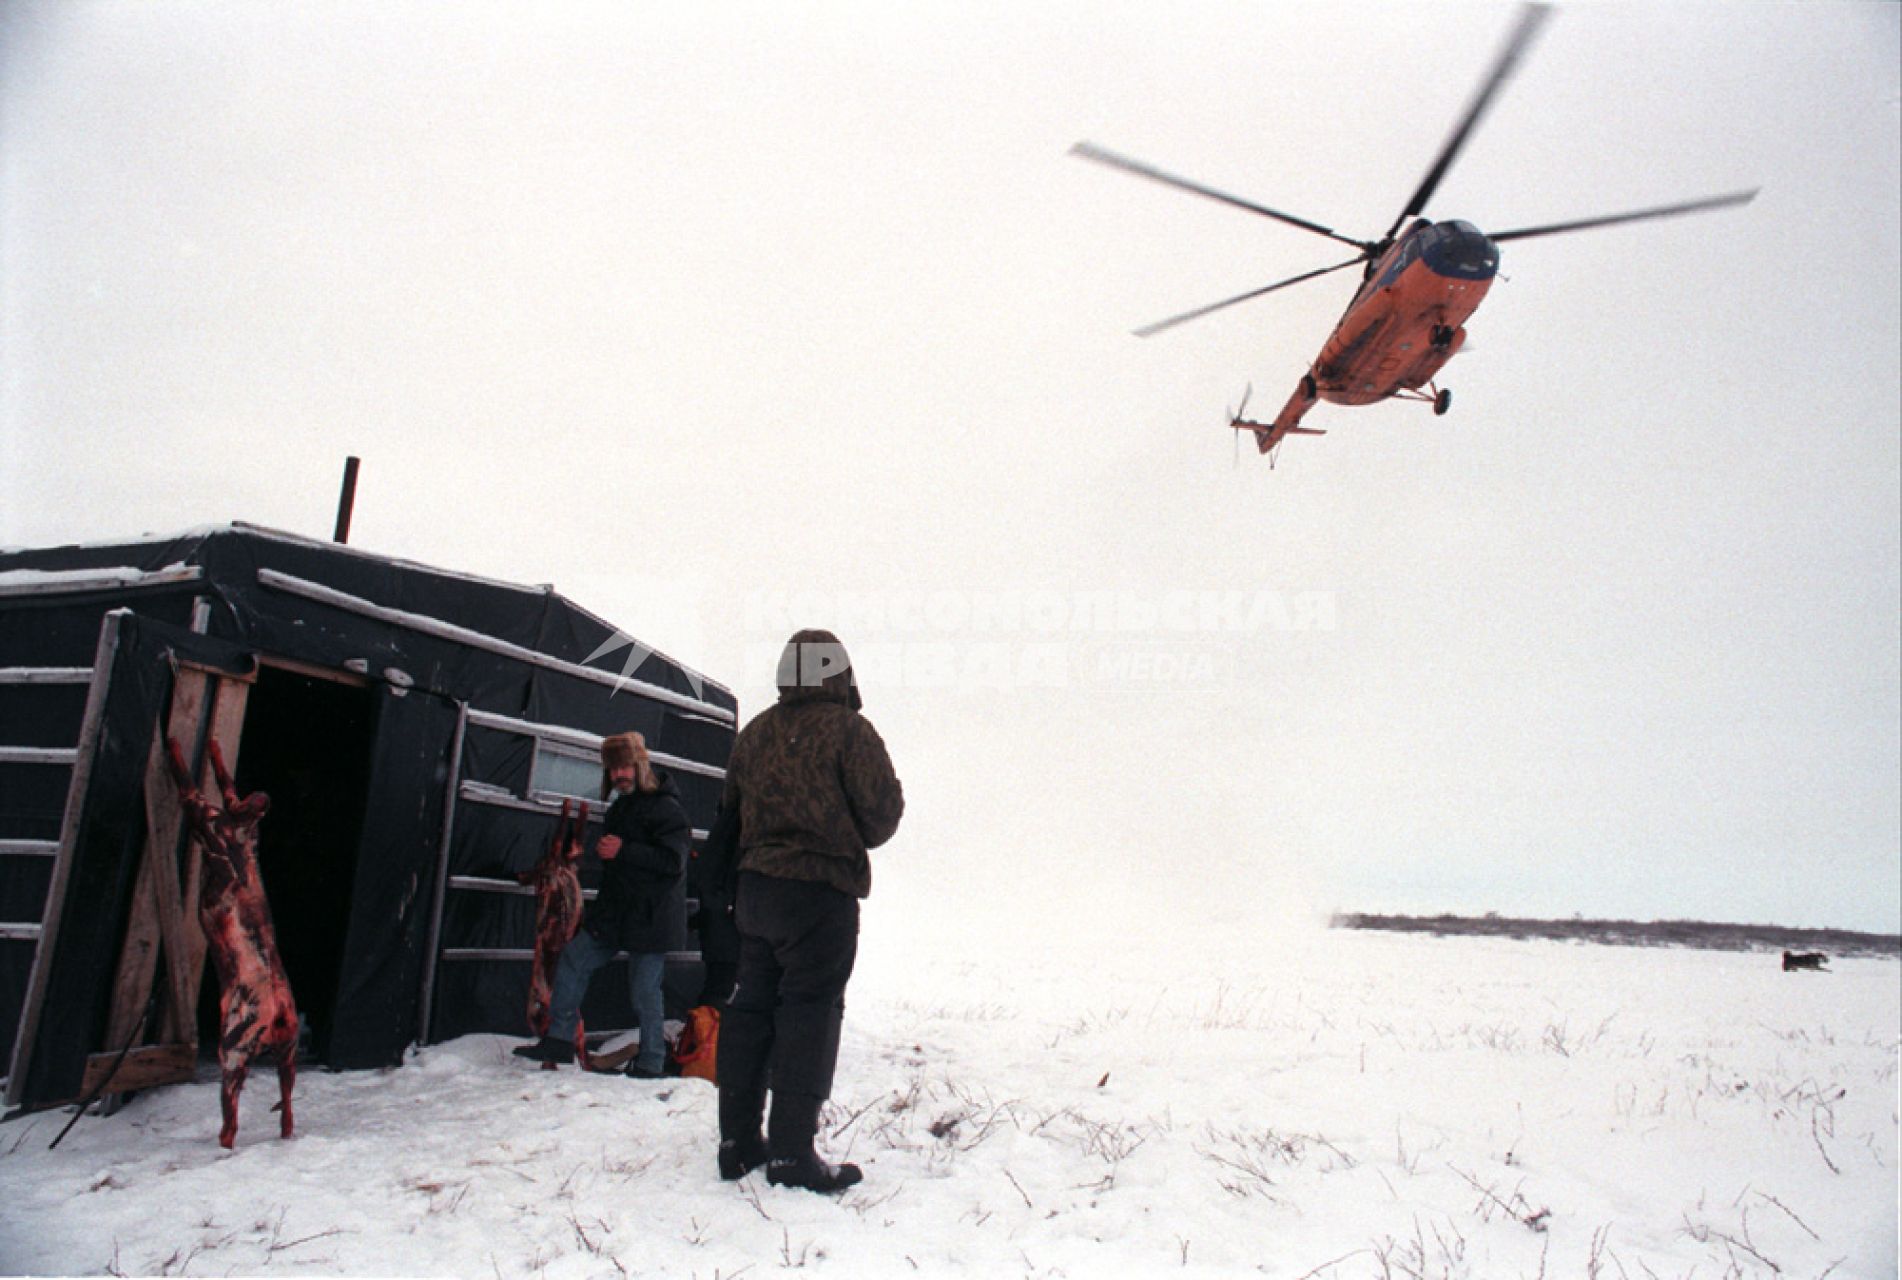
x=1235, y=420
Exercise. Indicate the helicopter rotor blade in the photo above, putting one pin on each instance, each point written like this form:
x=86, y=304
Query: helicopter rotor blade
x=1150, y=330
x=1636, y=215
x=1531, y=18
x=1090, y=151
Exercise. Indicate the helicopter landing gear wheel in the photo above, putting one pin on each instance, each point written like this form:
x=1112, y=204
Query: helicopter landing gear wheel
x=1442, y=402
x=1308, y=390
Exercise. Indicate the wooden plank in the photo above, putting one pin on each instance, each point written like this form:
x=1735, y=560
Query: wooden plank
x=163, y=821
x=153, y=1064
x=66, y=756
x=489, y=884
x=590, y=743
x=227, y=728
x=311, y=669
x=427, y=1004
x=138, y=955
x=205, y=668
x=66, y=581
x=45, y=675
x=445, y=630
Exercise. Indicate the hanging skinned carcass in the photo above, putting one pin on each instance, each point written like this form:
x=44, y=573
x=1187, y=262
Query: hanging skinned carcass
x=257, y=1015
x=556, y=880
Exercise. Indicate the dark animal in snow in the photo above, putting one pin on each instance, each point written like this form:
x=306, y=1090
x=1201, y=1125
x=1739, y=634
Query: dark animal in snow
x=1805, y=960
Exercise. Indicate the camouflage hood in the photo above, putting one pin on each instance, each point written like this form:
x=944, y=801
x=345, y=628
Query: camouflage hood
x=810, y=778
x=815, y=666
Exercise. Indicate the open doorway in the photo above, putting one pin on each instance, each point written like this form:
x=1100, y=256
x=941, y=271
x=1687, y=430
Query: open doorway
x=306, y=744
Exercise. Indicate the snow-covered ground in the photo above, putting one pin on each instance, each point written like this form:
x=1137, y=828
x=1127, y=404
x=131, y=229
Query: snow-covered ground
x=1315, y=1106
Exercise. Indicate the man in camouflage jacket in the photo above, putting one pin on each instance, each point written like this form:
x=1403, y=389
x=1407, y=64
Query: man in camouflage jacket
x=814, y=789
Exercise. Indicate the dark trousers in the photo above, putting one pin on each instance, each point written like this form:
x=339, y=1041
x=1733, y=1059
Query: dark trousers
x=798, y=942
x=719, y=952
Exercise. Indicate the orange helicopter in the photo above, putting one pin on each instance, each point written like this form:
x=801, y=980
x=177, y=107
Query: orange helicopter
x=1419, y=285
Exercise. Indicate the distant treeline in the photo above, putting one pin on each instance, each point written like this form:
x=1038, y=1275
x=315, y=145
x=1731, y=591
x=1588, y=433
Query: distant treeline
x=1630, y=933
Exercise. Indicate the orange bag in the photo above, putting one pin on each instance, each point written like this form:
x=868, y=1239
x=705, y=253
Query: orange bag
x=698, y=1046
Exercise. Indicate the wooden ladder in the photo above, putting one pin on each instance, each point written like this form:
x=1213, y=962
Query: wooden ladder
x=163, y=920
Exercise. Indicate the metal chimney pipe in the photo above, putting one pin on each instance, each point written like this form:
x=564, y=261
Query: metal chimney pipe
x=346, y=501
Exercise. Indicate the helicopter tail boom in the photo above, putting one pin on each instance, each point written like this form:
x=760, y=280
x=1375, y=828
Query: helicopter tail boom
x=1287, y=422
x=1270, y=434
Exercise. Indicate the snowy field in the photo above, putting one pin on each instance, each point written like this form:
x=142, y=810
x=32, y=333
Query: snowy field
x=1324, y=1106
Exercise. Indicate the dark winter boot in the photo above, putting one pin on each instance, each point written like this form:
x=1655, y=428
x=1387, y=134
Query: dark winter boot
x=793, y=1125
x=812, y=1173
x=740, y=1156
x=547, y=1049
x=742, y=1112
x=789, y=1136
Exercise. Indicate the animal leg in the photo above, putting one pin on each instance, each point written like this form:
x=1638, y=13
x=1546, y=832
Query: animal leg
x=228, y=1099
x=540, y=989
x=286, y=1079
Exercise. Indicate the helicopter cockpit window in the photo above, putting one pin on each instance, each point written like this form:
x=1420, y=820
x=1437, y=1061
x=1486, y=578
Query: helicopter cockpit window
x=1410, y=252
x=1461, y=250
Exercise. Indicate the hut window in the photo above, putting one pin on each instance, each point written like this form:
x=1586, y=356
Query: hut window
x=565, y=771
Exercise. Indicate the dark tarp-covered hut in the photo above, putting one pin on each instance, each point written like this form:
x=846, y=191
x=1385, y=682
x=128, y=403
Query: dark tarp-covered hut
x=416, y=731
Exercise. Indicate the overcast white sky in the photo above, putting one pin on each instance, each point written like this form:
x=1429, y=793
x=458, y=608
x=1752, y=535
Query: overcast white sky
x=729, y=319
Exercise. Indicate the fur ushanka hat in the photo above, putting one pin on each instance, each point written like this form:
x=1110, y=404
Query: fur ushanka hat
x=618, y=752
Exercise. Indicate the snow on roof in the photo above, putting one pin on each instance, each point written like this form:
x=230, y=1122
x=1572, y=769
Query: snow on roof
x=197, y=531
x=27, y=582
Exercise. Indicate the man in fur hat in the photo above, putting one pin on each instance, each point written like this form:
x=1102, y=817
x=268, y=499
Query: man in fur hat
x=641, y=907
x=814, y=789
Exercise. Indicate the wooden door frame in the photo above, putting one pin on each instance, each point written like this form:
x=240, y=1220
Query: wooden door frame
x=208, y=706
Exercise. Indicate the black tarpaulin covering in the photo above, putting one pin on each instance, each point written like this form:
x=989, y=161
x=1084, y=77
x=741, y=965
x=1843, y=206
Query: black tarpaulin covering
x=106, y=849
x=277, y=620
x=430, y=646
x=380, y=980
x=496, y=843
